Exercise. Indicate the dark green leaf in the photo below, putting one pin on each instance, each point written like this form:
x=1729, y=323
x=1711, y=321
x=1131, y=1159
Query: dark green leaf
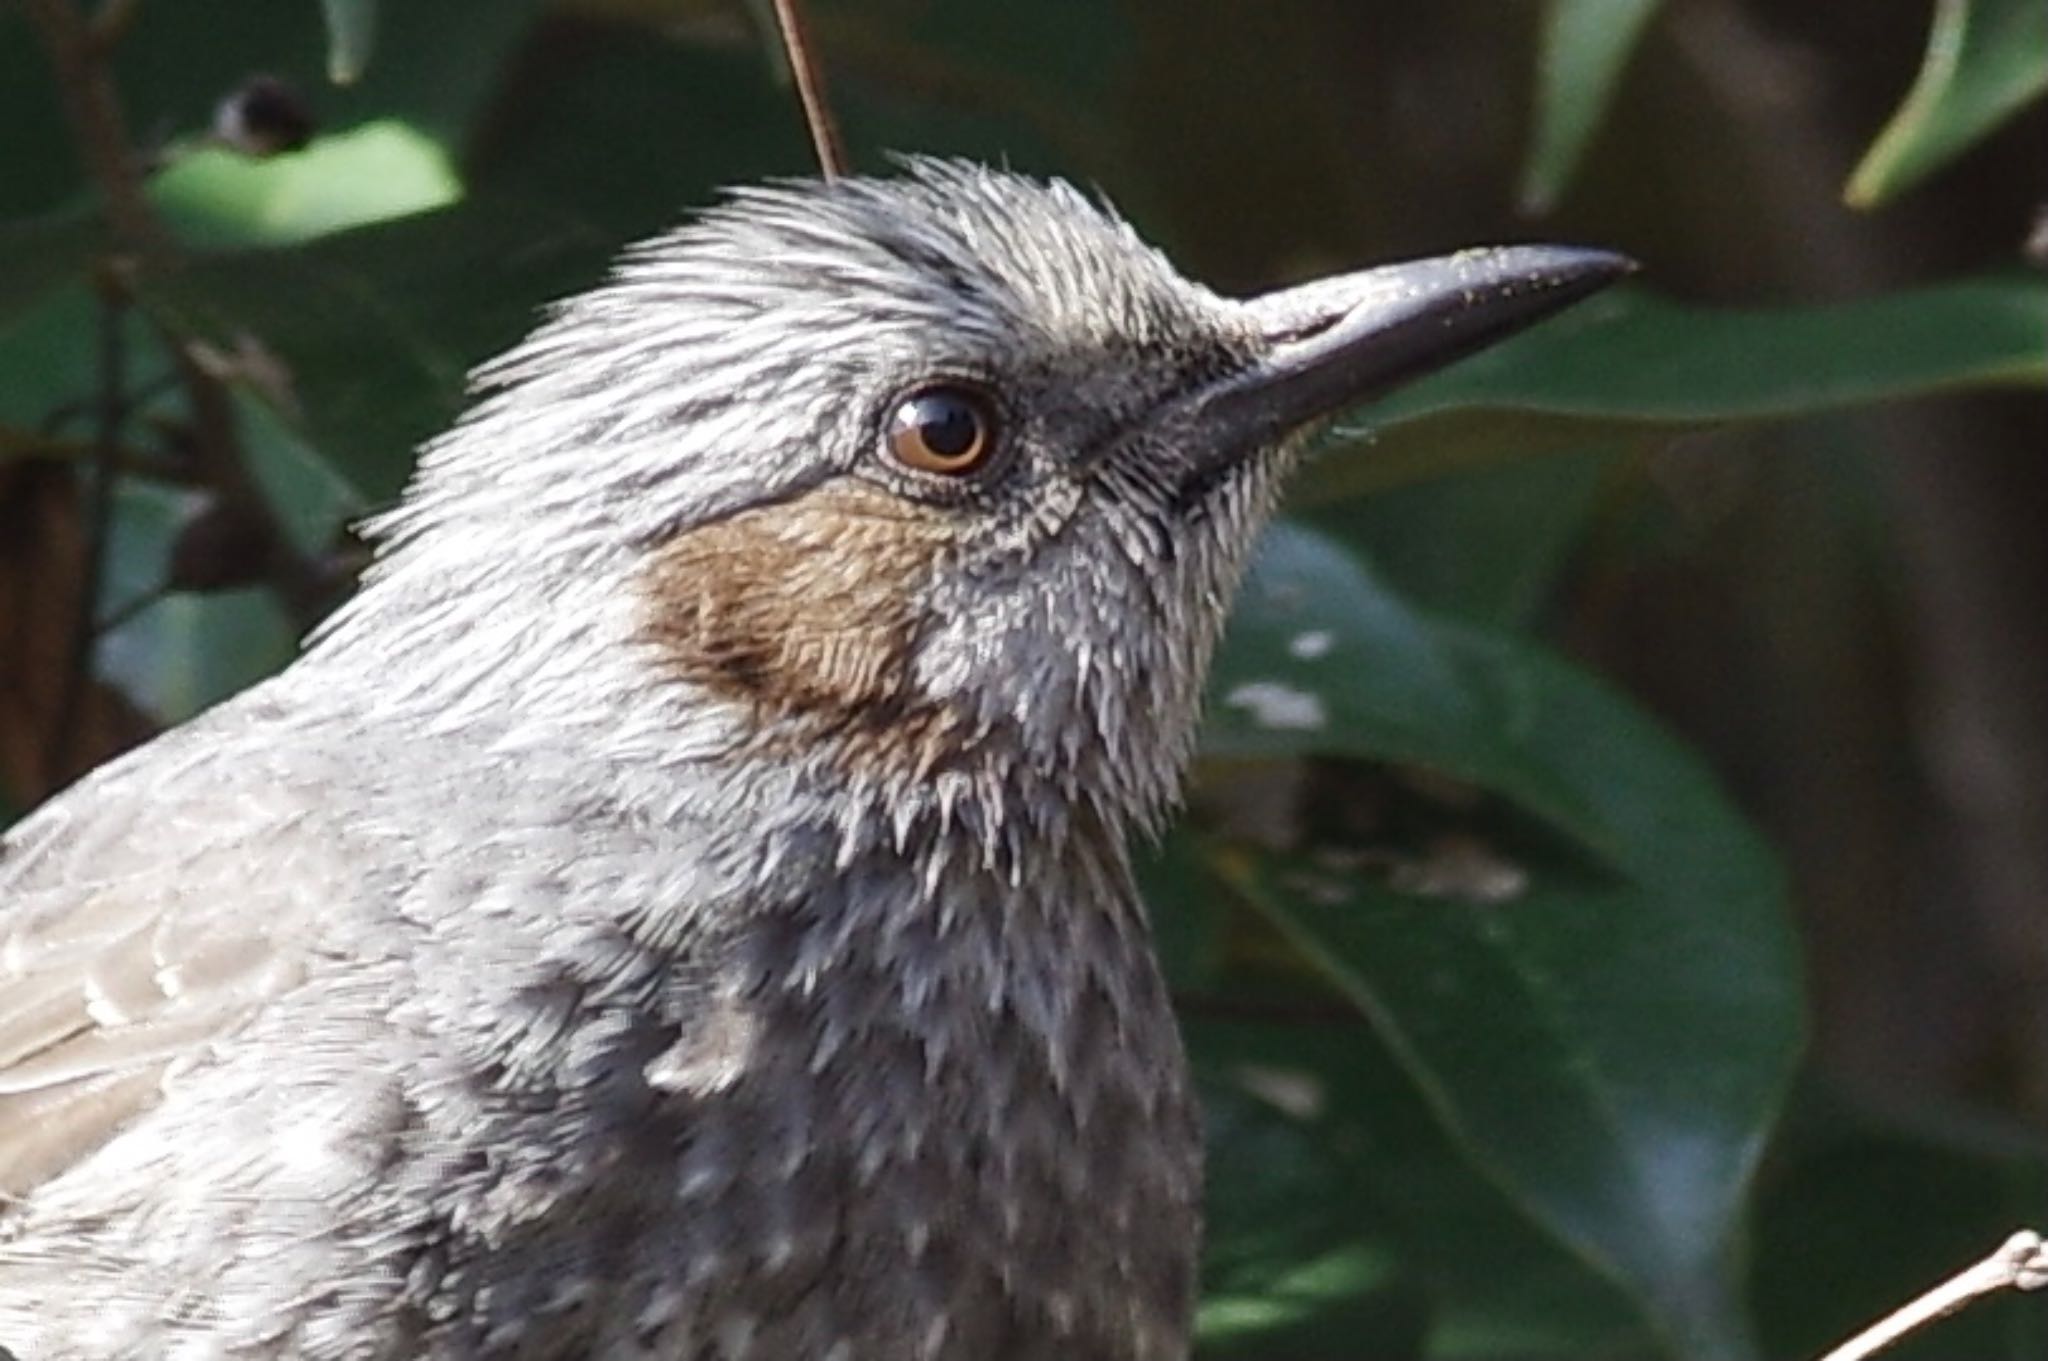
x=630, y=129
x=1485, y=545
x=1610, y=1043
x=1025, y=84
x=376, y=328
x=1376, y=1171
x=40, y=255
x=1630, y=366
x=1187, y=921
x=1296, y=1263
x=48, y=356
x=39, y=168
x=1586, y=46
x=1985, y=60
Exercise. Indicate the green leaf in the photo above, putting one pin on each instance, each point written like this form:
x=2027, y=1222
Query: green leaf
x=351, y=33
x=1609, y=1040
x=1485, y=545
x=376, y=328
x=373, y=330
x=217, y=199
x=1376, y=1171
x=1629, y=366
x=312, y=501
x=49, y=356
x=1985, y=61
x=186, y=652
x=1586, y=45
x=1188, y=930
x=1294, y=1263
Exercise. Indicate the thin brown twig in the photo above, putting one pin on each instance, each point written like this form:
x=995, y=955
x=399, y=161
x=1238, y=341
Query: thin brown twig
x=111, y=410
x=810, y=89
x=94, y=112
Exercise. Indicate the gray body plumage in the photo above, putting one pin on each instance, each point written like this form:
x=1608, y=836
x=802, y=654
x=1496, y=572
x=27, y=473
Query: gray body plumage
x=680, y=909
x=479, y=989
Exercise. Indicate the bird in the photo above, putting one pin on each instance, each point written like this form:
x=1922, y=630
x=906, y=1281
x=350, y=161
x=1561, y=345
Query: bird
x=681, y=907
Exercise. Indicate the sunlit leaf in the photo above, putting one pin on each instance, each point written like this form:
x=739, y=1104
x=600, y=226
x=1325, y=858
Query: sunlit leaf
x=218, y=199
x=1985, y=61
x=1585, y=47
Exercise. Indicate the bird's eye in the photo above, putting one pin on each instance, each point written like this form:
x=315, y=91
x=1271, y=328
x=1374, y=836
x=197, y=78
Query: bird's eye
x=946, y=428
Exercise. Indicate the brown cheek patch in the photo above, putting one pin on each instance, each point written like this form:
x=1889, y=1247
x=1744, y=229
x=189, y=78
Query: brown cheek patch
x=806, y=611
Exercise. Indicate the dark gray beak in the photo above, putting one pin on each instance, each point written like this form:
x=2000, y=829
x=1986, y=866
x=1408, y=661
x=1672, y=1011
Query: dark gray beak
x=1337, y=342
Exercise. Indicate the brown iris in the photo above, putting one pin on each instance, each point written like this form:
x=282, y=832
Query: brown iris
x=946, y=428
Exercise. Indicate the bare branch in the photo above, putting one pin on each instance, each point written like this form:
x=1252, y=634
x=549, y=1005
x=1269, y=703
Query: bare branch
x=2021, y=1263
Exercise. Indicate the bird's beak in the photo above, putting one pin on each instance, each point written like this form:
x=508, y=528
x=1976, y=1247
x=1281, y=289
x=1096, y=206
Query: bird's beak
x=1336, y=342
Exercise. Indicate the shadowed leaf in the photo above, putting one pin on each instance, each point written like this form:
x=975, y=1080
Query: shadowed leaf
x=375, y=329
x=1609, y=1037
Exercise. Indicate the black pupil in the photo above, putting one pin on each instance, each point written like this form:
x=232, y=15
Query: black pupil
x=947, y=423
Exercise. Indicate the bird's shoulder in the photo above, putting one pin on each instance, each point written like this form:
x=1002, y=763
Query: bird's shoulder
x=145, y=913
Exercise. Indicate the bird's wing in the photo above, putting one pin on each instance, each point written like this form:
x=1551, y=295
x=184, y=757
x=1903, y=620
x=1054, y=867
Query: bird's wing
x=144, y=914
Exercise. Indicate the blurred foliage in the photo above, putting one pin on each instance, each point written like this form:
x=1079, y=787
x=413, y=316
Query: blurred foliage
x=1586, y=44
x=351, y=29
x=1986, y=59
x=1496, y=991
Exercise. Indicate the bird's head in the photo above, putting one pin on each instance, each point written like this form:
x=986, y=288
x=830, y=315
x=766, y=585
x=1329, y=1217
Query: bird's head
x=936, y=489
